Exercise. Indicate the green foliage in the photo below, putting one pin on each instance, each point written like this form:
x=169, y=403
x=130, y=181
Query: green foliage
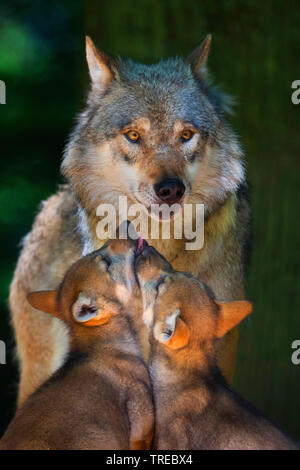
x=22, y=55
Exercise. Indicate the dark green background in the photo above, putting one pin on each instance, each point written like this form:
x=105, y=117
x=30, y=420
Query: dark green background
x=254, y=57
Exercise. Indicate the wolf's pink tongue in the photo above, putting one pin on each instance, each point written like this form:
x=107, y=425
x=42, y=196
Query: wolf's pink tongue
x=140, y=243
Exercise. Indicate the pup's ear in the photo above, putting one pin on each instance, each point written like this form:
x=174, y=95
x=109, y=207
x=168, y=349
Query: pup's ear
x=231, y=314
x=99, y=66
x=86, y=311
x=173, y=332
x=198, y=58
x=45, y=301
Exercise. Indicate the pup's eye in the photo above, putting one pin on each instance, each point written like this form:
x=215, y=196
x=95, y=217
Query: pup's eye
x=132, y=136
x=186, y=135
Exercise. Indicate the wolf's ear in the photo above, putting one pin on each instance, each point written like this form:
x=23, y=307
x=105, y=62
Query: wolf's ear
x=45, y=301
x=231, y=314
x=173, y=332
x=198, y=58
x=99, y=66
x=86, y=311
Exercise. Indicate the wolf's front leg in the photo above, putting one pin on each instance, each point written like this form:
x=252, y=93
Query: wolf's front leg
x=51, y=247
x=42, y=344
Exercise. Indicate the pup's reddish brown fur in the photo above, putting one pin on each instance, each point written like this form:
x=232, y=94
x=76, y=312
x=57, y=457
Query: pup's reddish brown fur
x=194, y=407
x=101, y=397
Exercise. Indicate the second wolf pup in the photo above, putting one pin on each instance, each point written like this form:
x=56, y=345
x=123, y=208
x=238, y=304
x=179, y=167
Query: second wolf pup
x=194, y=407
x=101, y=398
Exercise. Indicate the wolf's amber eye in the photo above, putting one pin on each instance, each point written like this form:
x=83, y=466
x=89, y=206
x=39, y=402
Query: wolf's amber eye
x=133, y=136
x=186, y=135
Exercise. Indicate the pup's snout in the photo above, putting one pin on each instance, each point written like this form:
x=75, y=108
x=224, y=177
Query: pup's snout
x=170, y=190
x=127, y=230
x=127, y=241
x=151, y=263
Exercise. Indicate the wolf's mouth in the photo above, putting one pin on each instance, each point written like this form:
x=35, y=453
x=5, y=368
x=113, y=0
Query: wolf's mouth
x=157, y=214
x=154, y=210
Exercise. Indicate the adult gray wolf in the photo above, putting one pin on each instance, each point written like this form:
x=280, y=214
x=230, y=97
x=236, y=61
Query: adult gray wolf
x=155, y=134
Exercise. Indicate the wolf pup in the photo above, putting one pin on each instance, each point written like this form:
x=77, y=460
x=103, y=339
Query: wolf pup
x=101, y=398
x=157, y=135
x=194, y=407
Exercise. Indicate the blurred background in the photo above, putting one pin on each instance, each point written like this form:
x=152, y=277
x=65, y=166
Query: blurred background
x=255, y=57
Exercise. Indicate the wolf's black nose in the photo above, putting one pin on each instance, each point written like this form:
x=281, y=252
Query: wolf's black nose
x=170, y=190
